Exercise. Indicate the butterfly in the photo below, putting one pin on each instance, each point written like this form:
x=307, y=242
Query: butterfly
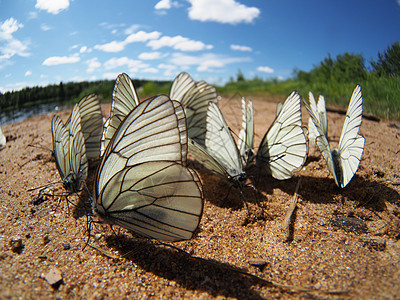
x=124, y=99
x=194, y=97
x=70, y=151
x=343, y=161
x=91, y=124
x=220, y=153
x=142, y=182
x=284, y=147
x=319, y=110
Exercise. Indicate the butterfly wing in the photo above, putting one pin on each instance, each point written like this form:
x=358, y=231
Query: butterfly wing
x=194, y=97
x=246, y=134
x=321, y=109
x=77, y=151
x=283, y=149
x=312, y=129
x=124, y=100
x=91, y=124
x=220, y=143
x=181, y=87
x=142, y=183
x=322, y=142
x=201, y=154
x=351, y=144
x=69, y=151
x=60, y=146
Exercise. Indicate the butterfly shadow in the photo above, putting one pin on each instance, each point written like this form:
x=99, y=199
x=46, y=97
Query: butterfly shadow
x=368, y=193
x=224, y=194
x=362, y=192
x=192, y=273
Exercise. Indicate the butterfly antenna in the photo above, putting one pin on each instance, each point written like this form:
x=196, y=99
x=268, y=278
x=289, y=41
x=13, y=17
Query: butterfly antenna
x=42, y=196
x=40, y=147
x=102, y=252
x=44, y=186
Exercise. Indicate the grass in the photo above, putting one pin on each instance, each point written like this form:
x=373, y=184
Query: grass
x=381, y=94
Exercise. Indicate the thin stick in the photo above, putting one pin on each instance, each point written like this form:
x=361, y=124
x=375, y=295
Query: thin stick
x=287, y=222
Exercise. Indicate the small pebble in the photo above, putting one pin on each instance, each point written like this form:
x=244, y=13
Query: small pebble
x=16, y=245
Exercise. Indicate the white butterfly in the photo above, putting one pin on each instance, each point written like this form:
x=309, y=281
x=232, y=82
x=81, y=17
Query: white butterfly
x=220, y=153
x=246, y=134
x=283, y=149
x=91, y=124
x=194, y=97
x=142, y=182
x=124, y=99
x=69, y=151
x=319, y=110
x=2, y=139
x=343, y=161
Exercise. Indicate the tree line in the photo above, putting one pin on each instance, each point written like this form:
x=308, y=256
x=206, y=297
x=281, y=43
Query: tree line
x=70, y=92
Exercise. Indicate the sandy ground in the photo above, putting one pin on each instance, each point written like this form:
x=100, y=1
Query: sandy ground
x=342, y=243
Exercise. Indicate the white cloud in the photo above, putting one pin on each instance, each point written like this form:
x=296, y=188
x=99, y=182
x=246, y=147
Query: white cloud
x=28, y=73
x=60, y=60
x=10, y=46
x=142, y=36
x=118, y=46
x=170, y=70
x=85, y=49
x=52, y=6
x=45, y=27
x=113, y=46
x=124, y=62
x=150, y=55
x=8, y=27
x=163, y=4
x=132, y=29
x=205, y=62
x=265, y=69
x=32, y=15
x=242, y=48
x=93, y=64
x=110, y=75
x=222, y=11
x=166, y=4
x=178, y=42
x=150, y=70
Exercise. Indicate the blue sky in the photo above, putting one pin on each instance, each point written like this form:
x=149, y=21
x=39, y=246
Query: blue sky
x=48, y=41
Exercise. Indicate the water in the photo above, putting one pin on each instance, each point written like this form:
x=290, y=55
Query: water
x=26, y=112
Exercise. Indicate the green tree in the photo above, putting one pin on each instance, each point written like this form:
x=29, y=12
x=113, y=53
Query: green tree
x=240, y=76
x=388, y=61
x=345, y=68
